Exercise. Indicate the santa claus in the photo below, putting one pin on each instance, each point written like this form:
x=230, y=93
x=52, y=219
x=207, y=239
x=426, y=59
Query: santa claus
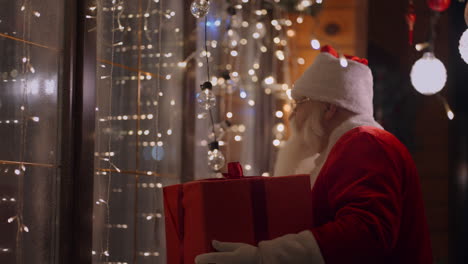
x=367, y=205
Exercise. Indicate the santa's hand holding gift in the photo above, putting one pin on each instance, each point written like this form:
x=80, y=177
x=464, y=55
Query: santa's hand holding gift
x=367, y=204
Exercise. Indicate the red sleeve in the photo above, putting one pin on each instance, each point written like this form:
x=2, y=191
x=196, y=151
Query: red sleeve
x=365, y=196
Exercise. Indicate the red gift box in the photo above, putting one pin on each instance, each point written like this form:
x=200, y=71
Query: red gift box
x=236, y=209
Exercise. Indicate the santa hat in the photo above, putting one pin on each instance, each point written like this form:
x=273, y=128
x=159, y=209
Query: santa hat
x=347, y=84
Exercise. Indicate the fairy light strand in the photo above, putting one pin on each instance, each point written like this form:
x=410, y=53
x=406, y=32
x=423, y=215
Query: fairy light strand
x=109, y=138
x=157, y=110
x=208, y=74
x=158, y=82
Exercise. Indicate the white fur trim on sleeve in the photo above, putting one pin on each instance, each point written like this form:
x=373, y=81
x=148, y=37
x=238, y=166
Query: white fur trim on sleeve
x=301, y=248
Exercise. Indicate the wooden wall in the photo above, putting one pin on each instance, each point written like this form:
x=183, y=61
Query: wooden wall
x=341, y=24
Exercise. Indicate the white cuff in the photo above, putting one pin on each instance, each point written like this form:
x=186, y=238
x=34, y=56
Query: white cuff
x=301, y=248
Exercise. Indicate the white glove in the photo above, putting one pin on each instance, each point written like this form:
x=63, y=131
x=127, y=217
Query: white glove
x=301, y=248
x=230, y=253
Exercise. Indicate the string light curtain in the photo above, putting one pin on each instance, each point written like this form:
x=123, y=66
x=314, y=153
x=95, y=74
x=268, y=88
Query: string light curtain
x=250, y=71
x=31, y=48
x=138, y=126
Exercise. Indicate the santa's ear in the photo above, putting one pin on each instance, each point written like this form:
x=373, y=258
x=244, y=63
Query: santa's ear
x=330, y=110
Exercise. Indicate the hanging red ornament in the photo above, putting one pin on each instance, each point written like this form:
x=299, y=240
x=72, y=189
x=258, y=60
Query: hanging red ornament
x=438, y=5
x=411, y=19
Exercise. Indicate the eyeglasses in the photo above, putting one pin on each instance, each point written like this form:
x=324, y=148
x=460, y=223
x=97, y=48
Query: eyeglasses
x=295, y=103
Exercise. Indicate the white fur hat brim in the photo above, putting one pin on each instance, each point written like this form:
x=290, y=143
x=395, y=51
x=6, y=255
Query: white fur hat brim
x=349, y=87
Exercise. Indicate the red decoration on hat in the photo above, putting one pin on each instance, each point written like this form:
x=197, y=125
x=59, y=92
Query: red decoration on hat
x=354, y=58
x=329, y=49
x=438, y=5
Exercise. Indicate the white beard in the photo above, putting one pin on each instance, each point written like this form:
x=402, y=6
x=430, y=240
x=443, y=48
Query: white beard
x=298, y=154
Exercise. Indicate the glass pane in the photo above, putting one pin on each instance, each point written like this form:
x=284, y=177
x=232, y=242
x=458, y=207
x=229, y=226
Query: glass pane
x=138, y=137
x=31, y=49
x=28, y=208
x=29, y=102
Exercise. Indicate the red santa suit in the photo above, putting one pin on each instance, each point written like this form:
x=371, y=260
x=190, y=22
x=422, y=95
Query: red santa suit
x=367, y=202
x=367, y=205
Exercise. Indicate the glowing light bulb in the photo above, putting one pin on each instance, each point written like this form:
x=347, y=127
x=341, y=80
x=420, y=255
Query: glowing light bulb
x=421, y=46
x=343, y=61
x=269, y=80
x=231, y=38
x=315, y=44
x=206, y=99
x=216, y=159
x=276, y=142
x=280, y=127
x=243, y=94
x=306, y=3
x=259, y=31
x=280, y=55
x=428, y=74
x=463, y=46
x=288, y=93
x=450, y=114
x=202, y=115
x=241, y=128
x=199, y=8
